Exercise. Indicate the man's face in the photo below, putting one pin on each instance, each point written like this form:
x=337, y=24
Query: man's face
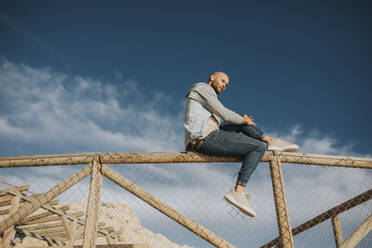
x=219, y=82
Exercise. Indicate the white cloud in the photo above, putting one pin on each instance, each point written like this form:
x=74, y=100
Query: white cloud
x=9, y=130
x=314, y=141
x=42, y=110
x=42, y=107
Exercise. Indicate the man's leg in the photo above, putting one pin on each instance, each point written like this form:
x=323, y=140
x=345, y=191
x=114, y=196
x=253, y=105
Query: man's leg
x=274, y=144
x=227, y=143
x=254, y=132
x=232, y=144
x=249, y=130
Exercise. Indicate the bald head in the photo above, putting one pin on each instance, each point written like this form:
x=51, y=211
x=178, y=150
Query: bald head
x=219, y=81
x=217, y=73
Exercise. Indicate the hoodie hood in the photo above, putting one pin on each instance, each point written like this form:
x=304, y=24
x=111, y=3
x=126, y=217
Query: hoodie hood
x=194, y=87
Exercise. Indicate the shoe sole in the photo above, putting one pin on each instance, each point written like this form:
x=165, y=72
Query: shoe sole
x=231, y=200
x=291, y=148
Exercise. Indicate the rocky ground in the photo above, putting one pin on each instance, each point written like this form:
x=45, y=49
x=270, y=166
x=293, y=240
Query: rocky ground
x=121, y=217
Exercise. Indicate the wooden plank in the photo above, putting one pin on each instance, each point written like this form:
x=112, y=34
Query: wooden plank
x=61, y=235
x=42, y=220
x=5, y=200
x=103, y=246
x=45, y=160
x=5, y=211
x=80, y=237
x=119, y=232
x=8, y=202
x=165, y=208
x=109, y=240
x=76, y=230
x=180, y=157
x=282, y=216
x=35, y=227
x=18, y=188
x=51, y=194
x=109, y=228
x=337, y=231
x=48, y=231
x=77, y=214
x=359, y=233
x=49, y=156
x=93, y=205
x=121, y=246
x=71, y=217
x=190, y=157
x=51, y=203
x=48, y=219
x=98, y=235
x=42, y=215
x=165, y=157
x=51, y=241
x=359, y=199
x=10, y=232
x=68, y=231
x=5, y=203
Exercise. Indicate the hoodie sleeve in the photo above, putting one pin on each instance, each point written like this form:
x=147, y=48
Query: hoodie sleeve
x=209, y=100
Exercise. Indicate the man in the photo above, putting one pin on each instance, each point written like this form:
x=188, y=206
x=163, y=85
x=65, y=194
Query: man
x=238, y=136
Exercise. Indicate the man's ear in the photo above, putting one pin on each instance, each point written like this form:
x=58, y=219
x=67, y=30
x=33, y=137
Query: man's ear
x=212, y=77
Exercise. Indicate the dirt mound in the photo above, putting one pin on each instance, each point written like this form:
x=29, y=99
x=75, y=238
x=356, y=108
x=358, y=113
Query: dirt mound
x=121, y=218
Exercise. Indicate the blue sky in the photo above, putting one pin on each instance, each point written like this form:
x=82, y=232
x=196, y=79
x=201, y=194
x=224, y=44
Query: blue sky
x=290, y=63
x=100, y=76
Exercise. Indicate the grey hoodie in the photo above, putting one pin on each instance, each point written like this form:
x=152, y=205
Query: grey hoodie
x=201, y=103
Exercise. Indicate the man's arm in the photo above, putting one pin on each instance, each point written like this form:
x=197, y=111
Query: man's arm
x=210, y=102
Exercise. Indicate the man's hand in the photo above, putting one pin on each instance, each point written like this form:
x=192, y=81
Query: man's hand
x=248, y=120
x=267, y=139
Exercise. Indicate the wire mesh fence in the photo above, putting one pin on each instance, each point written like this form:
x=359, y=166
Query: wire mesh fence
x=193, y=195
x=197, y=191
x=325, y=193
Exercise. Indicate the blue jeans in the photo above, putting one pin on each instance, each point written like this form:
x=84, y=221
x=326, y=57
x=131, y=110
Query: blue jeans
x=237, y=141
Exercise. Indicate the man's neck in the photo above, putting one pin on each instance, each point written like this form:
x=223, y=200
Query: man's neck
x=210, y=84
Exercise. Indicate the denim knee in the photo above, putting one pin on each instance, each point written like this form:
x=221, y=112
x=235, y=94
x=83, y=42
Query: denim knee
x=262, y=147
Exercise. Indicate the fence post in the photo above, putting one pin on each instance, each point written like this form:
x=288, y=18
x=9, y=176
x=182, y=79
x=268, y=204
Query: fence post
x=93, y=204
x=165, y=209
x=281, y=208
x=358, y=234
x=337, y=231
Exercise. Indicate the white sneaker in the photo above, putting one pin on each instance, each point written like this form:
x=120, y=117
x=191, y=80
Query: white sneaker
x=281, y=145
x=239, y=200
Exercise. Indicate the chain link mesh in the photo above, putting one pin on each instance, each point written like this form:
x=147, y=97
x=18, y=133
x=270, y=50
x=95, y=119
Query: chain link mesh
x=320, y=190
x=195, y=191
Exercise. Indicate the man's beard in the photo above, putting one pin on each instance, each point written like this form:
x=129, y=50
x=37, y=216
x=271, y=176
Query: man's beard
x=216, y=89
